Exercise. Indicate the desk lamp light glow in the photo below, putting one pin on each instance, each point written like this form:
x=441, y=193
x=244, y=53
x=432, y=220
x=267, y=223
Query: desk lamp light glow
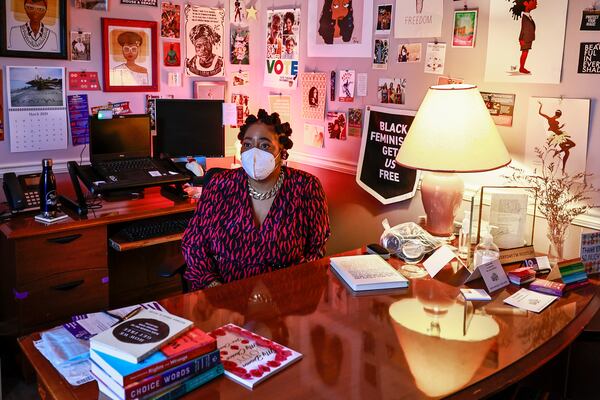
x=452, y=132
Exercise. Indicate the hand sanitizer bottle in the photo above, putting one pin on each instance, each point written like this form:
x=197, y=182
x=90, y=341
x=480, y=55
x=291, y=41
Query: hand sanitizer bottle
x=486, y=251
x=464, y=238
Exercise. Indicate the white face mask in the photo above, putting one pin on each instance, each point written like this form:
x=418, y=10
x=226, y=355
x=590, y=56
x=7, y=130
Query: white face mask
x=258, y=164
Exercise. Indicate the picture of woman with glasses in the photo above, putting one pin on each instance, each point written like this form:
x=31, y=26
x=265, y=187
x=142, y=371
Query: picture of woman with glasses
x=33, y=35
x=129, y=73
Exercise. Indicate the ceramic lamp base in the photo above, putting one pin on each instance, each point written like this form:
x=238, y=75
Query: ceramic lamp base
x=441, y=194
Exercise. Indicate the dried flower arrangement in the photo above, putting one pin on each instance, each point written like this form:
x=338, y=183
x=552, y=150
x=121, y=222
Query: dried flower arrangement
x=562, y=197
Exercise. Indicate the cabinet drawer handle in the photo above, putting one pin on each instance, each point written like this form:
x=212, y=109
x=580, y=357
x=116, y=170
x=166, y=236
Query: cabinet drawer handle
x=68, y=285
x=65, y=239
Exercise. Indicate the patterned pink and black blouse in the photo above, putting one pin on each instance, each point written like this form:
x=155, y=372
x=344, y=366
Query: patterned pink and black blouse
x=222, y=241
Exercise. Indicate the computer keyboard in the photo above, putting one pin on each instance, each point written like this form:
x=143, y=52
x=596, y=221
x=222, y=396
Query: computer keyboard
x=127, y=165
x=155, y=227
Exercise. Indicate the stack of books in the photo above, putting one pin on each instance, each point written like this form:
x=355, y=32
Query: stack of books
x=573, y=274
x=548, y=287
x=153, y=355
x=521, y=276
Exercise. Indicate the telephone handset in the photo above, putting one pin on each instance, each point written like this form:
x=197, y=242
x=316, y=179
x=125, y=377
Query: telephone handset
x=22, y=192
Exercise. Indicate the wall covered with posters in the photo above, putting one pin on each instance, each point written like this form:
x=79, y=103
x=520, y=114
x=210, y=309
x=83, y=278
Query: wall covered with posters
x=246, y=43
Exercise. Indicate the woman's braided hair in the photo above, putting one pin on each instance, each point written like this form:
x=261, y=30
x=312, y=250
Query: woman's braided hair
x=282, y=130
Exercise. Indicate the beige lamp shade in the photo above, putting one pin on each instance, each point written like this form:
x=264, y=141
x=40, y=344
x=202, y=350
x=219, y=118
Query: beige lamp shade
x=453, y=132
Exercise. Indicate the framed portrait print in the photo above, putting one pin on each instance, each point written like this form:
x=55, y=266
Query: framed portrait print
x=345, y=33
x=129, y=55
x=33, y=28
x=213, y=90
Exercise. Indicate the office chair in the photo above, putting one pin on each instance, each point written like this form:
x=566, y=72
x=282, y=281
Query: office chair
x=172, y=266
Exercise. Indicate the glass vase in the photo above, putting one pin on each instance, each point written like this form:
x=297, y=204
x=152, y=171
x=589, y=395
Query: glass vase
x=556, y=238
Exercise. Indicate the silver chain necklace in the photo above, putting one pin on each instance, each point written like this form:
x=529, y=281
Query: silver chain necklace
x=256, y=195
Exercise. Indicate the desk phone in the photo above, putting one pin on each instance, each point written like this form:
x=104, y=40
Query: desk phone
x=22, y=192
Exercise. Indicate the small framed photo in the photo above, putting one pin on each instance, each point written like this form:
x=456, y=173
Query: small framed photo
x=129, y=55
x=214, y=90
x=33, y=28
x=465, y=28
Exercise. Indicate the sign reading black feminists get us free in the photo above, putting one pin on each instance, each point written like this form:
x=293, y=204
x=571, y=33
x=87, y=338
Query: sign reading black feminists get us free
x=383, y=134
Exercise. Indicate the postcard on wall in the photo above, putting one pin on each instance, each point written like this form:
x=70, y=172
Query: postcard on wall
x=314, y=135
x=391, y=91
x=381, y=53
x=83, y=80
x=240, y=78
x=465, y=28
x=589, y=58
x=79, y=115
x=346, y=83
x=384, y=19
x=409, y=53
x=80, y=46
x=362, y=80
x=435, y=58
x=243, y=111
x=525, y=45
x=99, y=5
x=204, y=35
x=345, y=32
x=171, y=54
x=283, y=48
x=561, y=126
x=170, y=20
x=237, y=12
x=281, y=104
x=239, y=39
x=337, y=125
x=590, y=20
x=446, y=80
x=314, y=90
x=355, y=121
x=501, y=107
x=37, y=108
x=590, y=252
x=423, y=20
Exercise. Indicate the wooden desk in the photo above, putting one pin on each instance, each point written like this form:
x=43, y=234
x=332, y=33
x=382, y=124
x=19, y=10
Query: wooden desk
x=51, y=272
x=375, y=346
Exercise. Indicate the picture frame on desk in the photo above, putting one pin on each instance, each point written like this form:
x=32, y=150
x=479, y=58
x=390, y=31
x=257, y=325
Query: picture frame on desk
x=33, y=29
x=130, y=55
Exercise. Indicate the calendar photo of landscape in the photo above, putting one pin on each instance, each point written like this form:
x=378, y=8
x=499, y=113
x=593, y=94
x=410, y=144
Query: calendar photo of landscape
x=36, y=86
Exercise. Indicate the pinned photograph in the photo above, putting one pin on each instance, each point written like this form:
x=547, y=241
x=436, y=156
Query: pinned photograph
x=313, y=95
x=391, y=91
x=384, y=19
x=446, y=80
x=346, y=85
x=240, y=78
x=99, y=5
x=240, y=44
x=170, y=20
x=409, y=53
x=241, y=104
x=381, y=53
x=237, y=12
x=337, y=125
x=80, y=46
x=465, y=28
x=501, y=107
x=355, y=116
x=204, y=41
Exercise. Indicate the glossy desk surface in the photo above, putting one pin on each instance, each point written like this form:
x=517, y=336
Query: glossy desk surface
x=407, y=344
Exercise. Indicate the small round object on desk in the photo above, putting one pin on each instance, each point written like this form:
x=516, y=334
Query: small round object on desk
x=412, y=251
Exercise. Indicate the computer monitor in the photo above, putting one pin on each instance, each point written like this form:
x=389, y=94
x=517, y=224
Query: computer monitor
x=123, y=136
x=189, y=128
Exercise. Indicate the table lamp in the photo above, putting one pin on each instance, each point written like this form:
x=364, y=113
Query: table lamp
x=452, y=132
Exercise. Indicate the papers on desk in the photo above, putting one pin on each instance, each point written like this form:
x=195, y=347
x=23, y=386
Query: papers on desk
x=530, y=300
x=67, y=347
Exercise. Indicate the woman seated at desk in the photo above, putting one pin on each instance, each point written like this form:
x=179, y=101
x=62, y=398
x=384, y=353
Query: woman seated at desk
x=258, y=218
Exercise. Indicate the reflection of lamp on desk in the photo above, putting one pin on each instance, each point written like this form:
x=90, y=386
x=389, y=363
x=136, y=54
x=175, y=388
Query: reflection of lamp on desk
x=452, y=132
x=443, y=360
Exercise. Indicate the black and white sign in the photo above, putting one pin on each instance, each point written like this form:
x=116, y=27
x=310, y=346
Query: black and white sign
x=384, y=131
x=590, y=20
x=589, y=58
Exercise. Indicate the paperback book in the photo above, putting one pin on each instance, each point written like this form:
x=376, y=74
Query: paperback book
x=170, y=392
x=367, y=272
x=158, y=382
x=192, y=344
x=548, y=287
x=248, y=358
x=137, y=337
